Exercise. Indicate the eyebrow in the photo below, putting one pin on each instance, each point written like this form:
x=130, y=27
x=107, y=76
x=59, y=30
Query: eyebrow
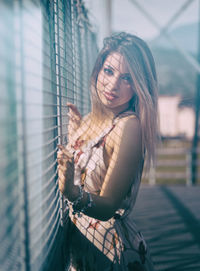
x=108, y=66
x=126, y=74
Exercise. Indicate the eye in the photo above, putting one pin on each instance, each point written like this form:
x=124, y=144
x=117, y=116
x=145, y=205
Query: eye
x=127, y=78
x=108, y=71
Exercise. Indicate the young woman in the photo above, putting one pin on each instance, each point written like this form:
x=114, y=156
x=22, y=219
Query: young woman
x=100, y=169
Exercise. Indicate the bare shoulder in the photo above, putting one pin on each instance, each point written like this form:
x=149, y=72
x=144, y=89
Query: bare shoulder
x=126, y=129
x=129, y=125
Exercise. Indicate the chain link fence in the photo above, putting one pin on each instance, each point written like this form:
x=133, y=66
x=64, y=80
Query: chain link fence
x=47, y=53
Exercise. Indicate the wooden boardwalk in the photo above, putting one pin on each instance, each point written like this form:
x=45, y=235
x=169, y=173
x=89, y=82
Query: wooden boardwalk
x=169, y=218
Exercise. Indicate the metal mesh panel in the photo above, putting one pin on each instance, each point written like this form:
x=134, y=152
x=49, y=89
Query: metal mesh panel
x=77, y=61
x=9, y=167
x=43, y=65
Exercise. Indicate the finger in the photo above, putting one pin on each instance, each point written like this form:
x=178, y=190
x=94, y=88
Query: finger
x=74, y=109
x=60, y=157
x=61, y=185
x=62, y=169
x=66, y=166
x=63, y=156
x=60, y=161
x=62, y=150
x=59, y=154
x=73, y=118
x=60, y=176
x=64, y=160
x=65, y=152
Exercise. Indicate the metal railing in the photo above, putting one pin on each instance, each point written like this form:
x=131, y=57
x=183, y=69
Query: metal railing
x=174, y=164
x=46, y=61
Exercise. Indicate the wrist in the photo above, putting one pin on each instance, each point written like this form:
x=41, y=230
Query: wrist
x=73, y=193
x=82, y=202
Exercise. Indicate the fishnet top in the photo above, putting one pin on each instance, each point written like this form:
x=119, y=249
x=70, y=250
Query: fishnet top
x=90, y=168
x=118, y=240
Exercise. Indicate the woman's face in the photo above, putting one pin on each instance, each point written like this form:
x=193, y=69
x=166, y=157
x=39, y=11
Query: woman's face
x=114, y=83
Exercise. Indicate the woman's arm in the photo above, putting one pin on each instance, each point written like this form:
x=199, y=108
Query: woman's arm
x=123, y=167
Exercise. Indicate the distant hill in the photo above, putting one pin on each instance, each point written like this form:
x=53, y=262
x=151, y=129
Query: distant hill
x=186, y=36
x=175, y=74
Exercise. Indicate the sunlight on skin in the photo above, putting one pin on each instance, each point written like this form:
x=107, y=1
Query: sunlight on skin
x=100, y=168
x=114, y=84
x=114, y=88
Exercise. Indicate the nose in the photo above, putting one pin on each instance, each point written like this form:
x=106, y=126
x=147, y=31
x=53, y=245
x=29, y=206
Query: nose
x=114, y=83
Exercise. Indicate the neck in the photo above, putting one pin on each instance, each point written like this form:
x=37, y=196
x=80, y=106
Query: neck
x=120, y=110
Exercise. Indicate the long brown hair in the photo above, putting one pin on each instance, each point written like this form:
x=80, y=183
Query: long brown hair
x=141, y=66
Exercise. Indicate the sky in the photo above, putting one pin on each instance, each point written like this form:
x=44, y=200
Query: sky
x=125, y=16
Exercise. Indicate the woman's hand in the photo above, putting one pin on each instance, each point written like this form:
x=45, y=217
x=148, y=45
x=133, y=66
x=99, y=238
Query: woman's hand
x=65, y=172
x=74, y=120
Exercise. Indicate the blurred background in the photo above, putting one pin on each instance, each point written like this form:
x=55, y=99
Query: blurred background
x=171, y=29
x=47, y=51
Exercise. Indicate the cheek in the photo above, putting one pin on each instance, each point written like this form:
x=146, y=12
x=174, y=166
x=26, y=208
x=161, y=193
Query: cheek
x=129, y=93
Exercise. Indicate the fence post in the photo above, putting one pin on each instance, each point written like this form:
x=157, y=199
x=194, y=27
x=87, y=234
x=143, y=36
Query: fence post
x=188, y=168
x=152, y=175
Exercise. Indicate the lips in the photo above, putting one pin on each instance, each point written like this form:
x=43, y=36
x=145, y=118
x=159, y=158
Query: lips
x=110, y=96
